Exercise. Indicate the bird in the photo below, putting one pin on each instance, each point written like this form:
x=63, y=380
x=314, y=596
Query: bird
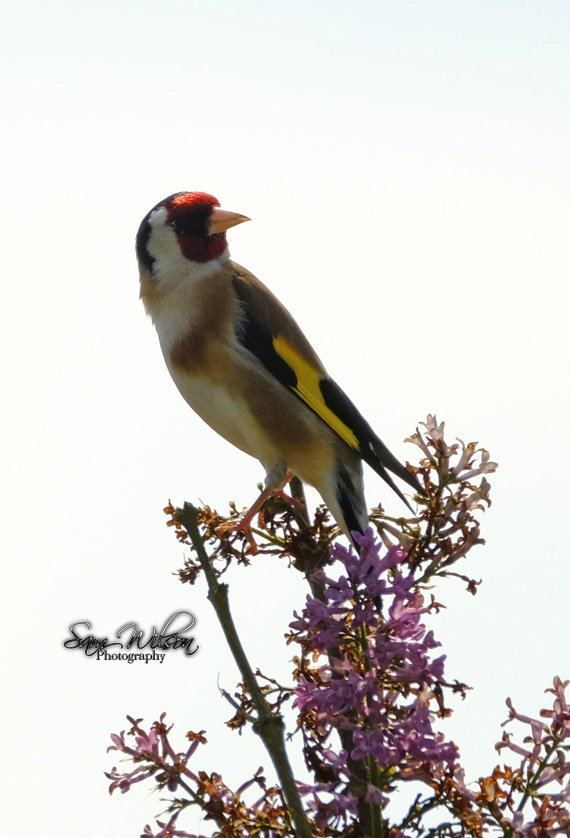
x=242, y=363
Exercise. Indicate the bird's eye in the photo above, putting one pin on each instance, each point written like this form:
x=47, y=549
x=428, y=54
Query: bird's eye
x=189, y=223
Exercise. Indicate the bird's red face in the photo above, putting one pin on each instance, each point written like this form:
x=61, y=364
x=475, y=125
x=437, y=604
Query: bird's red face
x=189, y=216
x=198, y=225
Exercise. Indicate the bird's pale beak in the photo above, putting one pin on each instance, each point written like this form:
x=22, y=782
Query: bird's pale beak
x=221, y=220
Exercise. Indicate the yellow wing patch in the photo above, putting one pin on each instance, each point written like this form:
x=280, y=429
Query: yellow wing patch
x=308, y=389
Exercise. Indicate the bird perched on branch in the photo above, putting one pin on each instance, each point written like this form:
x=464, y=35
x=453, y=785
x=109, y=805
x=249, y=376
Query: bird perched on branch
x=243, y=364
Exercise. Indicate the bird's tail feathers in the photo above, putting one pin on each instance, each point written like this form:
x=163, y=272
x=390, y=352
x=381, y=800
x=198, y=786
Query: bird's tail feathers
x=381, y=458
x=345, y=499
x=344, y=490
x=387, y=477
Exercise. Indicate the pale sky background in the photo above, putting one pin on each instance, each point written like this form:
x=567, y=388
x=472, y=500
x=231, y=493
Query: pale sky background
x=407, y=169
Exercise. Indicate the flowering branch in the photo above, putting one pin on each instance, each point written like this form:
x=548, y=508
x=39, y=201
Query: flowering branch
x=155, y=757
x=369, y=687
x=506, y=793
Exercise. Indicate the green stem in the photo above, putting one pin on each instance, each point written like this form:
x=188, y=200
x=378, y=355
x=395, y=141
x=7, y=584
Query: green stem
x=271, y=539
x=377, y=822
x=532, y=780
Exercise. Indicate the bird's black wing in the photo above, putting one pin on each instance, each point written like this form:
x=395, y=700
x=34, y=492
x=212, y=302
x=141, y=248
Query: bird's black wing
x=268, y=331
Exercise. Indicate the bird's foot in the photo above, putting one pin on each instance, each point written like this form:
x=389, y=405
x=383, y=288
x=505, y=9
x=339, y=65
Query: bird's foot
x=243, y=524
x=240, y=527
x=295, y=504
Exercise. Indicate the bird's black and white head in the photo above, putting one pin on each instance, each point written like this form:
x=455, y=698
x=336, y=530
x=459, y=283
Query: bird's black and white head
x=184, y=233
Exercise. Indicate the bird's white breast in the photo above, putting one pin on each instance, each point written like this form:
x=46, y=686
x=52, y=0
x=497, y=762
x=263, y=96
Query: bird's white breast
x=227, y=413
x=194, y=314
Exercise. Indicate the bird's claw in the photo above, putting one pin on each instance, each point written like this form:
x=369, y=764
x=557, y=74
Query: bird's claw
x=240, y=527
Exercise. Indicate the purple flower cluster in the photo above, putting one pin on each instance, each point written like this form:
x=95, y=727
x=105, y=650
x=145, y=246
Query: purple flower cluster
x=543, y=777
x=375, y=680
x=166, y=830
x=153, y=756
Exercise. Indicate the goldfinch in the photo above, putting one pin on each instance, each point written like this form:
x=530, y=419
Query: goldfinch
x=243, y=364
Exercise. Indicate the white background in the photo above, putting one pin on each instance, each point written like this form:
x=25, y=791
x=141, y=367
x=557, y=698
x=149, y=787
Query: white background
x=406, y=169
